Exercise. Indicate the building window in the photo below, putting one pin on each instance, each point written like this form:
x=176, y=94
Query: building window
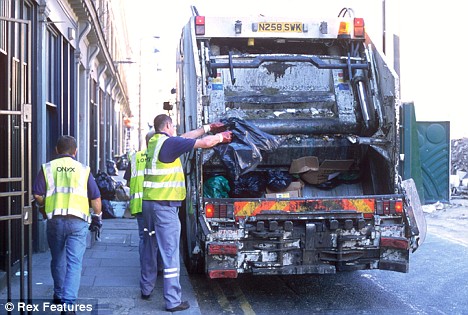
x=60, y=89
x=52, y=69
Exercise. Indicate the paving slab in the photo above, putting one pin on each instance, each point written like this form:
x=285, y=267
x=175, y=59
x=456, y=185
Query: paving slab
x=110, y=276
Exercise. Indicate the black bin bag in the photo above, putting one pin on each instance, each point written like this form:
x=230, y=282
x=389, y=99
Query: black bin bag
x=239, y=158
x=251, y=185
x=106, y=185
x=107, y=209
x=278, y=180
x=112, y=168
x=244, y=153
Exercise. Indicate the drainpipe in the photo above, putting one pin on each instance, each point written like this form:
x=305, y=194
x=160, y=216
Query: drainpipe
x=114, y=143
x=108, y=119
x=93, y=51
x=82, y=96
x=100, y=157
x=40, y=112
x=384, y=26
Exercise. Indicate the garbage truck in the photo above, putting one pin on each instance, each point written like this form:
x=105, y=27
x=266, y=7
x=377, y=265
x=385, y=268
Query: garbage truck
x=318, y=189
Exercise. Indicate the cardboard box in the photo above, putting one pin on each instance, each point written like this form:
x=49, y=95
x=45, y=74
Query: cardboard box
x=312, y=172
x=293, y=190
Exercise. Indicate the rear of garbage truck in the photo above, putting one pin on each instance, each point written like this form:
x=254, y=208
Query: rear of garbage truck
x=326, y=197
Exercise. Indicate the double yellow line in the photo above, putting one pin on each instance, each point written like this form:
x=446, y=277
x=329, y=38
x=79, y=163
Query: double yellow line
x=224, y=302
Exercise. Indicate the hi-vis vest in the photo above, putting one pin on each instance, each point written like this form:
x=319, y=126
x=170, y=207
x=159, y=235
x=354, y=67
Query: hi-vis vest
x=66, y=188
x=163, y=181
x=137, y=165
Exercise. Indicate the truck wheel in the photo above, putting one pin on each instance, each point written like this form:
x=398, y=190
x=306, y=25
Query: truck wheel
x=193, y=261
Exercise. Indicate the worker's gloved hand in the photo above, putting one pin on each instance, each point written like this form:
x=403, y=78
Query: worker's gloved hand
x=96, y=225
x=225, y=137
x=217, y=127
x=41, y=210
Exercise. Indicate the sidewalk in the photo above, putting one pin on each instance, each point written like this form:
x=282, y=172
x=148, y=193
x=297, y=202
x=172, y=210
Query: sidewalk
x=110, y=276
x=110, y=279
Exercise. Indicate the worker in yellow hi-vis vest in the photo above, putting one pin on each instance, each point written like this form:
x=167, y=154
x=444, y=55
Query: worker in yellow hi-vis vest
x=163, y=193
x=134, y=175
x=66, y=188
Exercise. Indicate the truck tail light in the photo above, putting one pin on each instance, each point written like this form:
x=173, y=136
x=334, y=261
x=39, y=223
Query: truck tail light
x=219, y=211
x=359, y=30
x=387, y=207
x=399, y=206
x=222, y=249
x=209, y=211
x=223, y=273
x=199, y=25
x=394, y=242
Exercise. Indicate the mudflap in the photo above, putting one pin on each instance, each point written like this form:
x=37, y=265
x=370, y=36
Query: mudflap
x=415, y=214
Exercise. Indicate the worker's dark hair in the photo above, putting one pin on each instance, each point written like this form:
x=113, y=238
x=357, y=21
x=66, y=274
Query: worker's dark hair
x=66, y=145
x=160, y=121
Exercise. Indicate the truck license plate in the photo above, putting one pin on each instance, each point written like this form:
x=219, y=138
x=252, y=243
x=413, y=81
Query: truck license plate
x=294, y=27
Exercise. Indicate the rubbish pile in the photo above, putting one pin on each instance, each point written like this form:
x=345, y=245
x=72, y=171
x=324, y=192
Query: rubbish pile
x=115, y=196
x=459, y=167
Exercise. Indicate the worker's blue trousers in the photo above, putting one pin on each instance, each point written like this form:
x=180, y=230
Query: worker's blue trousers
x=162, y=231
x=67, y=241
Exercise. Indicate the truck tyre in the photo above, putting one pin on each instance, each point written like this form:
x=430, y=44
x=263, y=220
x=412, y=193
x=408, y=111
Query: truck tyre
x=188, y=217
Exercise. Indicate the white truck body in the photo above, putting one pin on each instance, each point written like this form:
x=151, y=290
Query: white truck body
x=329, y=98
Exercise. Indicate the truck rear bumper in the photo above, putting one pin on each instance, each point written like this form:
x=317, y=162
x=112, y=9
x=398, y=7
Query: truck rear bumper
x=328, y=245
x=230, y=265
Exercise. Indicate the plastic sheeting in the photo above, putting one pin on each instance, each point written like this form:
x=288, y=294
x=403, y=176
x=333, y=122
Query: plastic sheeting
x=216, y=187
x=244, y=153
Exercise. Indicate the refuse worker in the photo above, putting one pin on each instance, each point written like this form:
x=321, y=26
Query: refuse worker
x=163, y=193
x=134, y=175
x=66, y=188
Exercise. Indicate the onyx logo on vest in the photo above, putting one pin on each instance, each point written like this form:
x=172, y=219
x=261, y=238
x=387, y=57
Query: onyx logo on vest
x=65, y=169
x=143, y=158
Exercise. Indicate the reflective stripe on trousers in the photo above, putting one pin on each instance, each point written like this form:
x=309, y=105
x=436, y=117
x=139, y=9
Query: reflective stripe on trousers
x=163, y=226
